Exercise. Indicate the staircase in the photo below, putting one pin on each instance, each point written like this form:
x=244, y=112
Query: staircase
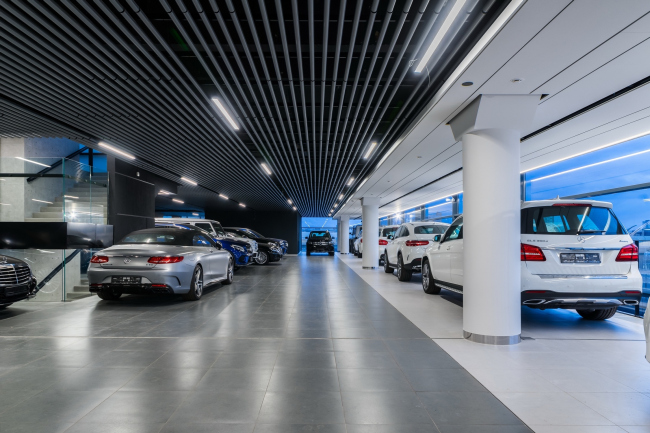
x=78, y=200
x=79, y=292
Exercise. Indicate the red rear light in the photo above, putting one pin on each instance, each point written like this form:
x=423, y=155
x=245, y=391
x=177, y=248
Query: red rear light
x=416, y=243
x=632, y=292
x=165, y=260
x=629, y=253
x=537, y=292
x=99, y=259
x=159, y=285
x=361, y=240
x=573, y=204
x=532, y=253
x=383, y=242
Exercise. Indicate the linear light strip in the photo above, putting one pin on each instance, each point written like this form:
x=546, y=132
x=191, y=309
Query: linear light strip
x=451, y=17
x=225, y=113
x=370, y=149
x=189, y=181
x=33, y=162
x=115, y=150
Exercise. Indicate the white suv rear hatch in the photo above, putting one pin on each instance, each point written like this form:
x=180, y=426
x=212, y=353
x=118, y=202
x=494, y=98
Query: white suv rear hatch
x=581, y=238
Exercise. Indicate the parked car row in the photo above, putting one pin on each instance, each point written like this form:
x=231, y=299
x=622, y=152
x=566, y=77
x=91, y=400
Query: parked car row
x=178, y=256
x=575, y=254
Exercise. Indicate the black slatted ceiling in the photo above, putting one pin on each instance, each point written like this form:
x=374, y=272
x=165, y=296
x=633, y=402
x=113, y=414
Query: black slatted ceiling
x=310, y=84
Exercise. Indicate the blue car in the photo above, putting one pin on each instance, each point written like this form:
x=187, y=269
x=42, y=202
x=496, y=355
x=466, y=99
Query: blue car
x=240, y=251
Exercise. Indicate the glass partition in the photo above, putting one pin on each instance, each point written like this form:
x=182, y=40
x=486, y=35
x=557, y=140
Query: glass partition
x=52, y=189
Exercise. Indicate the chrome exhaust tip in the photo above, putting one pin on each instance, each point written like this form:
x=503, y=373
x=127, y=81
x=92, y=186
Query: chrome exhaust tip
x=534, y=302
x=630, y=302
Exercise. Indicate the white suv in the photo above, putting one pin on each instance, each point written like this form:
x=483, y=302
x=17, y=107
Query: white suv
x=574, y=255
x=406, y=247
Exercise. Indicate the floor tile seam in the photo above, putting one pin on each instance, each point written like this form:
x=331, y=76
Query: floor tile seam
x=449, y=354
x=604, y=415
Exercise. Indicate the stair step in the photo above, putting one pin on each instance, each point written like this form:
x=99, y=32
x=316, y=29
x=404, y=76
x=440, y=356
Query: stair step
x=80, y=289
x=73, y=296
x=78, y=209
x=83, y=200
x=44, y=220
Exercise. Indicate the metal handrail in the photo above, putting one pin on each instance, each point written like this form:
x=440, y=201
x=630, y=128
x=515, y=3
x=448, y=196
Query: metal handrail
x=56, y=164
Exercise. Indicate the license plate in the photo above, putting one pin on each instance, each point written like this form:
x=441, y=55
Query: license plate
x=126, y=280
x=580, y=258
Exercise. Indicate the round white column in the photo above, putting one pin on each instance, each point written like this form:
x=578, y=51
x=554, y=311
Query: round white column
x=370, y=222
x=344, y=238
x=491, y=236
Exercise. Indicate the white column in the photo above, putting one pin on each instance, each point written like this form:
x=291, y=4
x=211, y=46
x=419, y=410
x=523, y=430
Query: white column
x=370, y=222
x=344, y=238
x=490, y=129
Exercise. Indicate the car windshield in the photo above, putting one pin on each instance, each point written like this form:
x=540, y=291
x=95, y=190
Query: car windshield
x=429, y=230
x=320, y=235
x=388, y=232
x=570, y=220
x=253, y=233
x=158, y=238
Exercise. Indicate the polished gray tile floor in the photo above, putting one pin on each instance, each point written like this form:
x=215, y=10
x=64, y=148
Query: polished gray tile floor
x=304, y=345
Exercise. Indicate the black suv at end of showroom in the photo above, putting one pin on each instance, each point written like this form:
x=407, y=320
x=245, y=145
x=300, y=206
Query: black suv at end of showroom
x=16, y=281
x=320, y=241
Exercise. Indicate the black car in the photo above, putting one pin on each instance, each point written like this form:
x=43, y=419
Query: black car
x=320, y=241
x=16, y=281
x=269, y=249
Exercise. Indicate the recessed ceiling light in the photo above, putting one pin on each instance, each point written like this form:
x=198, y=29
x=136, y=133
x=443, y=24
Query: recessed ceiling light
x=163, y=192
x=225, y=113
x=223, y=196
x=266, y=168
x=289, y=201
x=335, y=204
x=33, y=162
x=195, y=214
x=189, y=181
x=350, y=181
x=242, y=205
x=370, y=149
x=467, y=84
x=112, y=149
x=294, y=208
x=341, y=197
x=455, y=10
x=178, y=201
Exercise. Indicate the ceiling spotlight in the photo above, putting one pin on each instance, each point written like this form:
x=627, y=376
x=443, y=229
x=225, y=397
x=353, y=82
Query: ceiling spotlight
x=295, y=208
x=289, y=201
x=350, y=181
x=455, y=10
x=178, y=201
x=370, y=149
x=225, y=113
x=266, y=168
x=223, y=196
x=33, y=162
x=341, y=197
x=112, y=149
x=189, y=181
x=335, y=204
x=242, y=205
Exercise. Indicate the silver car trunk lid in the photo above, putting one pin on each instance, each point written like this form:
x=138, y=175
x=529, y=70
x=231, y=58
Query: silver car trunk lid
x=137, y=256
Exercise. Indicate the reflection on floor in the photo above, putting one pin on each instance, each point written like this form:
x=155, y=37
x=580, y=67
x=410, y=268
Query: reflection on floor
x=572, y=376
x=304, y=345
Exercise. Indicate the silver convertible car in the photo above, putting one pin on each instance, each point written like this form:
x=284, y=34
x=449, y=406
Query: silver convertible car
x=167, y=260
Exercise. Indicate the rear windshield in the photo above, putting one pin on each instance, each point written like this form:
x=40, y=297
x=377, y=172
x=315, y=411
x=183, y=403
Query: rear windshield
x=570, y=220
x=429, y=230
x=159, y=238
x=320, y=235
x=388, y=232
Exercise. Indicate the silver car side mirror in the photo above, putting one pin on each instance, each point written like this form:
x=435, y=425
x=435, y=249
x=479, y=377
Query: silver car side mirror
x=436, y=238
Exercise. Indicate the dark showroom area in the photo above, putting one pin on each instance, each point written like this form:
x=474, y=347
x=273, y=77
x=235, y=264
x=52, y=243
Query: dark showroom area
x=285, y=216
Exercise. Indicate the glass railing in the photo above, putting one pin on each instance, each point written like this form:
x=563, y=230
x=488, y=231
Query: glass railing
x=52, y=189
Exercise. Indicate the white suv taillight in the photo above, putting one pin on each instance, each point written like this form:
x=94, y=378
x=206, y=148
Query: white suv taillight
x=629, y=253
x=532, y=253
x=416, y=243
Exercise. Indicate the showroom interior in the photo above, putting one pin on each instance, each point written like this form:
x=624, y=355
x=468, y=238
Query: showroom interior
x=334, y=216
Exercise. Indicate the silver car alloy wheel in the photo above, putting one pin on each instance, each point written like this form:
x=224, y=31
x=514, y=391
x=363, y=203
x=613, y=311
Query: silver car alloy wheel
x=198, y=282
x=230, y=275
x=262, y=258
x=399, y=268
x=425, y=275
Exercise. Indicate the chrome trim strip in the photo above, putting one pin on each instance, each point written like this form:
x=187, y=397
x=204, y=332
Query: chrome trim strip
x=495, y=340
x=578, y=249
x=583, y=277
x=448, y=288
